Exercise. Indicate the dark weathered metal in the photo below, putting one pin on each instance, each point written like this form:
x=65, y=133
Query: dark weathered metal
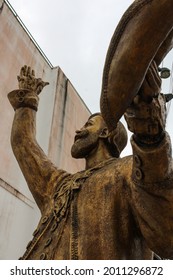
x=143, y=34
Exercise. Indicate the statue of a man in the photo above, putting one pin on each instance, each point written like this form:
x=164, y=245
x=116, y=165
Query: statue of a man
x=117, y=208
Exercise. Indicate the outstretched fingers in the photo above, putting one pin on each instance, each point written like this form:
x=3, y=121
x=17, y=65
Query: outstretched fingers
x=23, y=70
x=40, y=85
x=27, y=80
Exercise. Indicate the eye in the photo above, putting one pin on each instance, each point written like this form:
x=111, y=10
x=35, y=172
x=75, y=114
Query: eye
x=89, y=123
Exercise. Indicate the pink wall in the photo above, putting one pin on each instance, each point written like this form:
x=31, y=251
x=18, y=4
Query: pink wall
x=57, y=119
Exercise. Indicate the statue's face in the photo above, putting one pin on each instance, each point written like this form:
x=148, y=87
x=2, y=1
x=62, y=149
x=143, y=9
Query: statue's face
x=87, y=138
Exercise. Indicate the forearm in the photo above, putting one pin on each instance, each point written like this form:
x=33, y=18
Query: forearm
x=152, y=198
x=37, y=169
x=153, y=212
x=28, y=153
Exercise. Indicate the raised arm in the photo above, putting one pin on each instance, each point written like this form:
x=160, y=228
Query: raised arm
x=40, y=174
x=152, y=172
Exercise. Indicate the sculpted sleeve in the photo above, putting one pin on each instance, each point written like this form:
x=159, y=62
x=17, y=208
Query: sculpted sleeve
x=40, y=174
x=152, y=195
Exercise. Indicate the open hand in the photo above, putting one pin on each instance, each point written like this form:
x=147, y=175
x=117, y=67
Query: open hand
x=27, y=80
x=146, y=116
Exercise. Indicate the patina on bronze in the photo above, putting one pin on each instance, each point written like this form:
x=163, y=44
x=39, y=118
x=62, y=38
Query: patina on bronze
x=117, y=208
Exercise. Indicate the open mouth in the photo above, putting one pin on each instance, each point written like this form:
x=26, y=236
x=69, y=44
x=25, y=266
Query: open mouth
x=81, y=135
x=77, y=137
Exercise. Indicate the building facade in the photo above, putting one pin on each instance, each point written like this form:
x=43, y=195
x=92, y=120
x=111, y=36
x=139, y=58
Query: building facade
x=57, y=119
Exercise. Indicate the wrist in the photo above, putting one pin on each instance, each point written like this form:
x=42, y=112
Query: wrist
x=152, y=163
x=149, y=140
x=23, y=98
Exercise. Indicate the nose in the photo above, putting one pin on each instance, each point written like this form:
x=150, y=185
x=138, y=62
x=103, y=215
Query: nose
x=79, y=130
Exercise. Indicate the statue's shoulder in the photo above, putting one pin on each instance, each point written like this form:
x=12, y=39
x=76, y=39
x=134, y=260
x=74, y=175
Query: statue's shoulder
x=115, y=165
x=122, y=166
x=126, y=160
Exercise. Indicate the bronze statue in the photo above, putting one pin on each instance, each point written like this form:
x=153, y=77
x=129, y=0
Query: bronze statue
x=117, y=208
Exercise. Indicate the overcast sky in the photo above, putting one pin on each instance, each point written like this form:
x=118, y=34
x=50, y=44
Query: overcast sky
x=75, y=35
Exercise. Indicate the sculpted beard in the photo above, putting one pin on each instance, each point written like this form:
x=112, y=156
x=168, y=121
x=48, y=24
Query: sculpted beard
x=84, y=144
